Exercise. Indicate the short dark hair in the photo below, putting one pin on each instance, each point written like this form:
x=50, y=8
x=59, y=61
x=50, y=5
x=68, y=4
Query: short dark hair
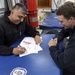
x=20, y=6
x=67, y=10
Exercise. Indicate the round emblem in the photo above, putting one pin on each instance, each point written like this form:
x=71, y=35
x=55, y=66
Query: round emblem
x=18, y=71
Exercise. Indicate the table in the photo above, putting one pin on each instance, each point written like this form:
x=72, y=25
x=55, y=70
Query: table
x=51, y=22
x=36, y=64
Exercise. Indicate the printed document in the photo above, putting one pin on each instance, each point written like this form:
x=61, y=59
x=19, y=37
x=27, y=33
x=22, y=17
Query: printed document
x=30, y=46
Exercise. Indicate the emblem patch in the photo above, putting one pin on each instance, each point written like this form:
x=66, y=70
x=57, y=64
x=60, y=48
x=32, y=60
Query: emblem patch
x=18, y=71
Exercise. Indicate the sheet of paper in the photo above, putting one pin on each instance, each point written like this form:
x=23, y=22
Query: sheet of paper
x=30, y=45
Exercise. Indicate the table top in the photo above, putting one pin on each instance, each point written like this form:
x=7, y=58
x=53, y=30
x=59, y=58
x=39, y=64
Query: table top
x=35, y=64
x=51, y=22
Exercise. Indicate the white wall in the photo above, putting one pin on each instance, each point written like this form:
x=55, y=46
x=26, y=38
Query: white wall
x=70, y=0
x=13, y=2
x=1, y=3
x=53, y=5
x=58, y=2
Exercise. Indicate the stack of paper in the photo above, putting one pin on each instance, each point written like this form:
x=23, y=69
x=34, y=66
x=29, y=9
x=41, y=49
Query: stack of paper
x=30, y=46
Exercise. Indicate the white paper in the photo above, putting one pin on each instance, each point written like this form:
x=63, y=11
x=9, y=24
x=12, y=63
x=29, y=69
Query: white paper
x=30, y=45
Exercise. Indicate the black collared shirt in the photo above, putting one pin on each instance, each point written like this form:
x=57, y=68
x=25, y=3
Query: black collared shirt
x=10, y=33
x=65, y=58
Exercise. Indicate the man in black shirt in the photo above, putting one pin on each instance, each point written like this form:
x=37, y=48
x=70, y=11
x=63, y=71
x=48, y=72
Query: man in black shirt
x=65, y=58
x=12, y=27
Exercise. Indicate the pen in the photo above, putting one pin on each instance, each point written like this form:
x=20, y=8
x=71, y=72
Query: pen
x=19, y=46
x=22, y=47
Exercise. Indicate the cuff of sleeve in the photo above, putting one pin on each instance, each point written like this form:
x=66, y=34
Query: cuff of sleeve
x=37, y=34
x=9, y=51
x=52, y=48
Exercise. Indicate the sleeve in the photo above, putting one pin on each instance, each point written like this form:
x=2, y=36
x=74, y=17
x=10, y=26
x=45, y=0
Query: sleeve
x=31, y=31
x=65, y=58
x=4, y=50
x=62, y=34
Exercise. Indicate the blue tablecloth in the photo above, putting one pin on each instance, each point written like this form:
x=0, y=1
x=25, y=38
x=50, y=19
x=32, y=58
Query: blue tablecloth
x=35, y=64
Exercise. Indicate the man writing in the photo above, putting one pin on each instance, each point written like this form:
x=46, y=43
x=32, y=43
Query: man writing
x=12, y=27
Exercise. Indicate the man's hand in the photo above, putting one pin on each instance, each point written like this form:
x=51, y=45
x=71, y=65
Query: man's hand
x=19, y=50
x=53, y=42
x=38, y=39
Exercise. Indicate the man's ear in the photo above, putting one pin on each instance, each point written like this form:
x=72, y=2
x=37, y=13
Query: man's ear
x=12, y=11
x=72, y=18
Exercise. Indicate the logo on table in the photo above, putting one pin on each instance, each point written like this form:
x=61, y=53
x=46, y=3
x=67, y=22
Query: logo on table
x=18, y=71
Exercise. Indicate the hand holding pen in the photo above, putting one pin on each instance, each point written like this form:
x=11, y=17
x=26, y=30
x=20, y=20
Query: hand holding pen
x=38, y=39
x=53, y=42
x=19, y=50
